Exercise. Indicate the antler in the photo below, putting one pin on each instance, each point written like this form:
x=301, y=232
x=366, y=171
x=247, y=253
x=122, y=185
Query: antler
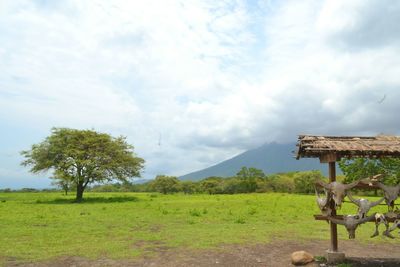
x=316, y=192
x=323, y=184
x=382, y=186
x=394, y=226
x=376, y=177
x=375, y=203
x=351, y=185
x=355, y=201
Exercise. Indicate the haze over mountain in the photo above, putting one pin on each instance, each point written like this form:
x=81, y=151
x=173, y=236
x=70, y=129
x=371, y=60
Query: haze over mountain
x=271, y=158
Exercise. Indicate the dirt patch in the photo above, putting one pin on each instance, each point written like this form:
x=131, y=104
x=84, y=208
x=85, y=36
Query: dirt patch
x=155, y=228
x=156, y=246
x=373, y=262
x=271, y=255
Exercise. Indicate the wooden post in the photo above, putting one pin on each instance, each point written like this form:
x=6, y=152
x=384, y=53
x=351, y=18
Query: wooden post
x=334, y=238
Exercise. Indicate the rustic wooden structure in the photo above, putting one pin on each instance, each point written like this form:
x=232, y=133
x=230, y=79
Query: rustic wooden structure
x=330, y=149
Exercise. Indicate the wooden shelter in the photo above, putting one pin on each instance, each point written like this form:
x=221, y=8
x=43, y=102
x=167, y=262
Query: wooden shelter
x=330, y=149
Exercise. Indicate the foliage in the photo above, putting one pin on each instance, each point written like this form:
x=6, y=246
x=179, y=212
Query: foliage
x=211, y=185
x=299, y=182
x=358, y=168
x=280, y=183
x=165, y=184
x=6, y=190
x=304, y=182
x=64, y=184
x=247, y=173
x=250, y=176
x=189, y=187
x=82, y=157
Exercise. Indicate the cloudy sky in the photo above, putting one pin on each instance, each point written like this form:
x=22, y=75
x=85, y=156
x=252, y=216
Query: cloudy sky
x=194, y=82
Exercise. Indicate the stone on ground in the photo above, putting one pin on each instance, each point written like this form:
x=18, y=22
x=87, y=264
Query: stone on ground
x=301, y=257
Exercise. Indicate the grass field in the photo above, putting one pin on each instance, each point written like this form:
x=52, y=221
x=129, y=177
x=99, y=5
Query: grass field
x=40, y=226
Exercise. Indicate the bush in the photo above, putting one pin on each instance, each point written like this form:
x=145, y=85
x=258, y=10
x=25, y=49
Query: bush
x=280, y=183
x=304, y=182
x=166, y=184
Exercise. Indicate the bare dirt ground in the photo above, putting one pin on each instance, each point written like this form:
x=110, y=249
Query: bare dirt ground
x=271, y=255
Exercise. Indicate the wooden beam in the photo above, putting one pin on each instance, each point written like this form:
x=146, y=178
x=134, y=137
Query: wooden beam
x=328, y=157
x=334, y=237
x=320, y=217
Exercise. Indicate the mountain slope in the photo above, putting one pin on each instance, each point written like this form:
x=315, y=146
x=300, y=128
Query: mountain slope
x=271, y=158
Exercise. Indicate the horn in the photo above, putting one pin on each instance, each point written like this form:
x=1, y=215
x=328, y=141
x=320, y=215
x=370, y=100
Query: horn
x=377, y=177
x=382, y=186
x=366, y=219
x=351, y=185
x=337, y=221
x=327, y=194
x=375, y=203
x=355, y=201
x=316, y=192
x=323, y=184
x=398, y=186
x=393, y=227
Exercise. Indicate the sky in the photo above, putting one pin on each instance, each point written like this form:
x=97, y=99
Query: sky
x=192, y=83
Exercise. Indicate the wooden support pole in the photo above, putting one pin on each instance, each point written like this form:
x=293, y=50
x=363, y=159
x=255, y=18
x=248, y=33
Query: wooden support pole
x=334, y=238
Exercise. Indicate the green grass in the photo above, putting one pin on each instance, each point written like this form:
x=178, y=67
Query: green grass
x=40, y=226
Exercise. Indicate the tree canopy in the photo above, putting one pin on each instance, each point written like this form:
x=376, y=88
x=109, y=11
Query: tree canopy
x=250, y=173
x=249, y=177
x=83, y=157
x=355, y=169
x=165, y=184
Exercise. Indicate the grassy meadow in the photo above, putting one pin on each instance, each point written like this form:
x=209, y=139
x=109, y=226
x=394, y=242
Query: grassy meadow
x=40, y=226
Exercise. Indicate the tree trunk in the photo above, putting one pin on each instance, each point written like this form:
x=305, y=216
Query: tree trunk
x=79, y=192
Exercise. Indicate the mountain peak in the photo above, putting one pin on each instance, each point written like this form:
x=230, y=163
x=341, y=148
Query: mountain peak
x=270, y=157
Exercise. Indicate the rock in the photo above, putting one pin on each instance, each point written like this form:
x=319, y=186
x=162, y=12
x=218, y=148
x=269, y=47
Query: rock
x=301, y=257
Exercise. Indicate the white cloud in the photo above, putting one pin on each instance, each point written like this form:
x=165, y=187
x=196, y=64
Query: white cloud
x=194, y=82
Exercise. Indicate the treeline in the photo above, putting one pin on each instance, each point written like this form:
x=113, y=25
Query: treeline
x=247, y=180
x=28, y=190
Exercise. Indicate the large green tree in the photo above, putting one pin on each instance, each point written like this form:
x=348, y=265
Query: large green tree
x=357, y=168
x=82, y=157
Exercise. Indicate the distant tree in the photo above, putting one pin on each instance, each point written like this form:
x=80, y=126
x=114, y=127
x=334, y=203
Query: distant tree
x=6, y=190
x=27, y=189
x=234, y=185
x=304, y=182
x=250, y=177
x=280, y=183
x=106, y=188
x=82, y=157
x=189, y=187
x=246, y=173
x=63, y=183
x=211, y=185
x=166, y=184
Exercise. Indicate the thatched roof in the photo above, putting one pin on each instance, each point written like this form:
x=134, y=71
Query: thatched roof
x=312, y=146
